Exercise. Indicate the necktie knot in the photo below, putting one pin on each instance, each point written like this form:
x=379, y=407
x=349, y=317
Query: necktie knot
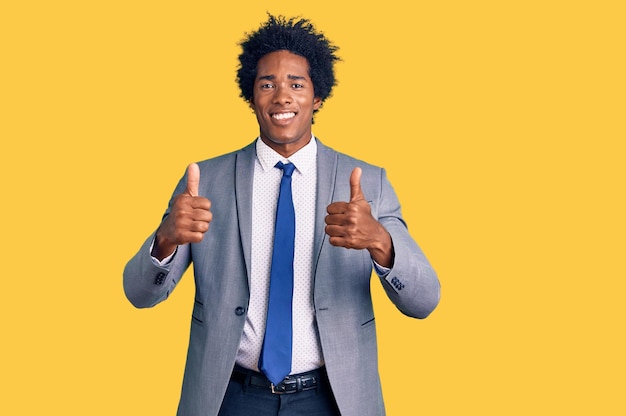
x=287, y=168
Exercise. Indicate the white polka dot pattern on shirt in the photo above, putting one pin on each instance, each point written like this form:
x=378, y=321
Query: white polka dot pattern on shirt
x=307, y=353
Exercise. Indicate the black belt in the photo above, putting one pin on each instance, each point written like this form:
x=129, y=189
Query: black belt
x=291, y=384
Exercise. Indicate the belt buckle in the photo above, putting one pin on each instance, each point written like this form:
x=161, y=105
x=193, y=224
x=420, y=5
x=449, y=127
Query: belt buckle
x=285, y=386
x=274, y=391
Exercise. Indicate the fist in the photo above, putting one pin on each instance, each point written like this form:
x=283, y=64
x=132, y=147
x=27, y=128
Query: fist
x=188, y=220
x=351, y=225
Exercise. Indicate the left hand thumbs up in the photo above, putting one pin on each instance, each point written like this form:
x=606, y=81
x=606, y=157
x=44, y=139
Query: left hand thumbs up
x=351, y=225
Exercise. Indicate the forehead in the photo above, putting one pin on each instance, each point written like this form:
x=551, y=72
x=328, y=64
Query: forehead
x=282, y=62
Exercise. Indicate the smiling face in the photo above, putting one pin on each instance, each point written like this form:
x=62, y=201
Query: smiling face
x=283, y=101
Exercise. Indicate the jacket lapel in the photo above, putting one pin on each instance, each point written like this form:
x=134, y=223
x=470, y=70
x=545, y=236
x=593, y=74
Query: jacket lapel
x=326, y=176
x=244, y=175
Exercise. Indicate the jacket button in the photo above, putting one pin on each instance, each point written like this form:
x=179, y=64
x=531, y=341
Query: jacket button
x=239, y=310
x=160, y=277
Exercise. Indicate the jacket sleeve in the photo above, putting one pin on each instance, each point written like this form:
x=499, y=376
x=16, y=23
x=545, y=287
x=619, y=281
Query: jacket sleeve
x=411, y=284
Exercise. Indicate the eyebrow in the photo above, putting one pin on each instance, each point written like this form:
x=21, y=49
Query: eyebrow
x=273, y=77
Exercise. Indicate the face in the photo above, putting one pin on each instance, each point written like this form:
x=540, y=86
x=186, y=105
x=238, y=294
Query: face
x=283, y=101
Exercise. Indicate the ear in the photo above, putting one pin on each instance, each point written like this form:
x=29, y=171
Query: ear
x=251, y=103
x=317, y=103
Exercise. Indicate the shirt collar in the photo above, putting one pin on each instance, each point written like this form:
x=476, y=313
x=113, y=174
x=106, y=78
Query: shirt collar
x=304, y=159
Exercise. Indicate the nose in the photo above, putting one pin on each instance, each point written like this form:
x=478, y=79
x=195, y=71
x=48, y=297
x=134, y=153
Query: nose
x=282, y=95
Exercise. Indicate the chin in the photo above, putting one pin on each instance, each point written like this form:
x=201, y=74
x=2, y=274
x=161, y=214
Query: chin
x=282, y=139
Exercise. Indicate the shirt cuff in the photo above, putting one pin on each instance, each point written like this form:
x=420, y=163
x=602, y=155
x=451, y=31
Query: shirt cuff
x=380, y=270
x=162, y=263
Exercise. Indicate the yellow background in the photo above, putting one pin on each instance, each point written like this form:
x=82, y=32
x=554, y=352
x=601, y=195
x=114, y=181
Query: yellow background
x=501, y=125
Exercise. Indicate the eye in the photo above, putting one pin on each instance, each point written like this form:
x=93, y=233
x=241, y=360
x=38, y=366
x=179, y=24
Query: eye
x=297, y=86
x=266, y=86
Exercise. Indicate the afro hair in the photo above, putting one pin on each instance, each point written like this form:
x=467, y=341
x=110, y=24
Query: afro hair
x=297, y=36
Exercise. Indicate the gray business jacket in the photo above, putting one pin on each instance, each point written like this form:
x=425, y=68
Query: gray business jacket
x=343, y=305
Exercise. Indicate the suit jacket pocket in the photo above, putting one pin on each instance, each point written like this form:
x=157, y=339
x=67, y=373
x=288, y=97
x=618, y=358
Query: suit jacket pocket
x=197, y=316
x=368, y=323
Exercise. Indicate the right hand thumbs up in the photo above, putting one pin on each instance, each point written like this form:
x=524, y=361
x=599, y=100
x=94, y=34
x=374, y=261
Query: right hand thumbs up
x=188, y=218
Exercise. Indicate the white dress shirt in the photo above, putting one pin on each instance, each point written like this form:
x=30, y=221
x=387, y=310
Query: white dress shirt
x=307, y=353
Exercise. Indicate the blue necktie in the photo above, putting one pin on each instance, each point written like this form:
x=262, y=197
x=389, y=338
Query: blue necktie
x=275, y=360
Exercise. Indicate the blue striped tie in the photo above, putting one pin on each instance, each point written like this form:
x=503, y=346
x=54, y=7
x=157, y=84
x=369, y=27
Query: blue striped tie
x=275, y=360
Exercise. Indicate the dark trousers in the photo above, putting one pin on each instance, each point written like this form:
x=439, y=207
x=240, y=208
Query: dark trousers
x=242, y=399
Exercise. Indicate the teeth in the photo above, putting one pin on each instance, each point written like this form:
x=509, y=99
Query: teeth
x=283, y=116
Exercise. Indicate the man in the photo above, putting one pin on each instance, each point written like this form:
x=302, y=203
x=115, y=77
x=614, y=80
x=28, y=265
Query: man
x=283, y=236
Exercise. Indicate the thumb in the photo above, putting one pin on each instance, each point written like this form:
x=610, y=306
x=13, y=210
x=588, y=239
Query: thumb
x=193, y=179
x=355, y=185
